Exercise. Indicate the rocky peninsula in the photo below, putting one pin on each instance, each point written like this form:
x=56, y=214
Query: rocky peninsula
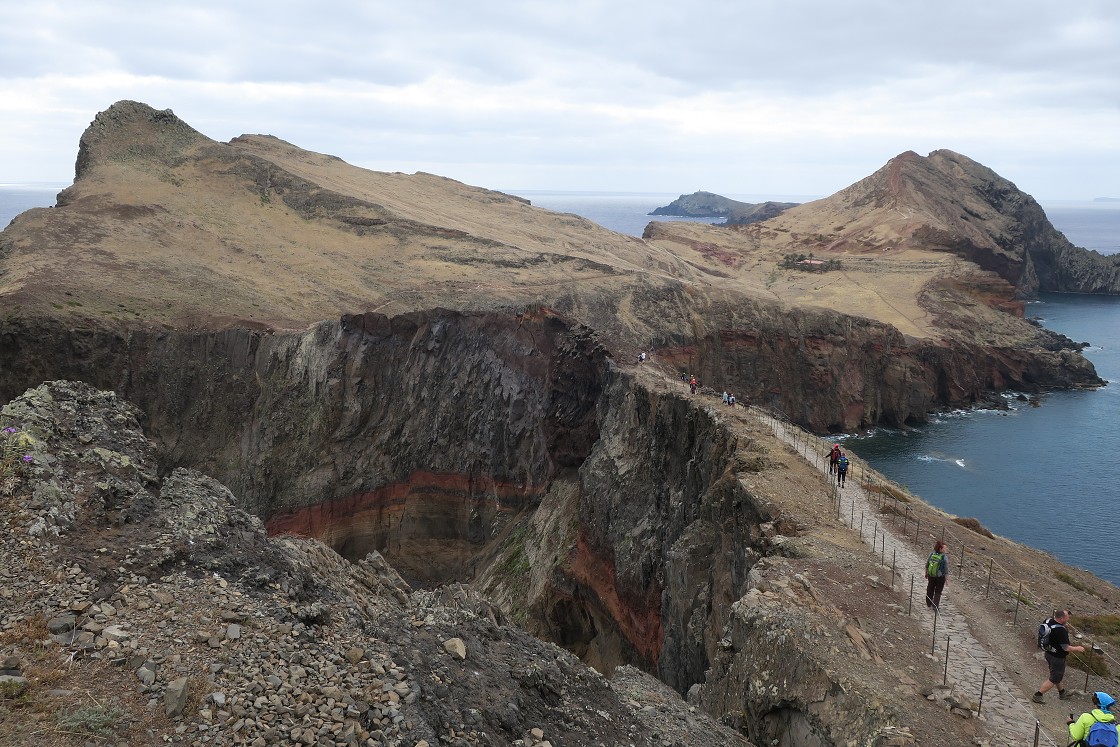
x=345, y=439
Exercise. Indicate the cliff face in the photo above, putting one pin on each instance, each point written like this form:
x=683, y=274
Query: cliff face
x=244, y=638
x=431, y=437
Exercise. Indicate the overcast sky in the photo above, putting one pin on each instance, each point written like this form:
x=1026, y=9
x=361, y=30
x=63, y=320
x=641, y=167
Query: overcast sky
x=784, y=97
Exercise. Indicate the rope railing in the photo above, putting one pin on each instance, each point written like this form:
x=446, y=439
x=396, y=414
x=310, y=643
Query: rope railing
x=975, y=569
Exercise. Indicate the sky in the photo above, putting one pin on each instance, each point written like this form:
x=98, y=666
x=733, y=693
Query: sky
x=738, y=97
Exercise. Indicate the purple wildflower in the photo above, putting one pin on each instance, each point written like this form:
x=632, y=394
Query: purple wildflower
x=27, y=459
x=9, y=429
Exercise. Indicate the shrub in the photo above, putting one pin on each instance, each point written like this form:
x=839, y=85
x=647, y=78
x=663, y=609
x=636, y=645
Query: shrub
x=973, y=525
x=1068, y=579
x=14, y=459
x=97, y=720
x=807, y=263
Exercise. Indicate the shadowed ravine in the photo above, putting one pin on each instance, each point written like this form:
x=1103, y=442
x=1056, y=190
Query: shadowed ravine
x=443, y=440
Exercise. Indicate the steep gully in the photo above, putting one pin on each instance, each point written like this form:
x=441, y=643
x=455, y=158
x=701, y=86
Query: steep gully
x=507, y=449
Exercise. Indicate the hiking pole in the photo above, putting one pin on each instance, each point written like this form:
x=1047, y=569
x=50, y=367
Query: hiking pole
x=1037, y=729
x=1018, y=597
x=945, y=677
x=983, y=682
x=989, y=586
x=933, y=646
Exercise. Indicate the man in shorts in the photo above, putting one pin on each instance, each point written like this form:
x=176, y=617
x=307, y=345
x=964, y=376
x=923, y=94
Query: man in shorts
x=1056, y=654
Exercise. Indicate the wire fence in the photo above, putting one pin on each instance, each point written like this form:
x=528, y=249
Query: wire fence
x=887, y=515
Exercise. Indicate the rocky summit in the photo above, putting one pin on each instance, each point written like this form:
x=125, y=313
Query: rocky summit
x=301, y=453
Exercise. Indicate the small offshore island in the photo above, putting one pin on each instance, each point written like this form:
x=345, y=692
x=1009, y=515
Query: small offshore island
x=298, y=452
x=709, y=205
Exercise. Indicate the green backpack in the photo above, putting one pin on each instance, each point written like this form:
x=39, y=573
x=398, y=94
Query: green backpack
x=935, y=566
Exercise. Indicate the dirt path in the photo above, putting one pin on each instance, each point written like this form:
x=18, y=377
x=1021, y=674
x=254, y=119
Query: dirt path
x=989, y=635
x=963, y=625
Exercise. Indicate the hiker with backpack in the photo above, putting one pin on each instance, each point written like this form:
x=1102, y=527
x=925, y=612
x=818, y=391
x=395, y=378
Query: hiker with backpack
x=937, y=572
x=1097, y=728
x=842, y=469
x=833, y=458
x=1053, y=639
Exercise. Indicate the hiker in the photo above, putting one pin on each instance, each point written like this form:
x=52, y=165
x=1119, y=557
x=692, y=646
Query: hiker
x=842, y=469
x=1096, y=727
x=725, y=398
x=731, y=399
x=641, y=357
x=692, y=384
x=937, y=571
x=1056, y=647
x=833, y=458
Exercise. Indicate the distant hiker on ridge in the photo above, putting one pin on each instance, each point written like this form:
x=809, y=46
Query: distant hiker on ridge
x=692, y=384
x=642, y=357
x=937, y=571
x=842, y=469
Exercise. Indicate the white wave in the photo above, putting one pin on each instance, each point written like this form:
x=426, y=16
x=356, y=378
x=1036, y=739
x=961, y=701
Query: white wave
x=946, y=459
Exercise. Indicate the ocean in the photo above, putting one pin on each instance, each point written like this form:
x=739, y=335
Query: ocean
x=1042, y=476
x=15, y=198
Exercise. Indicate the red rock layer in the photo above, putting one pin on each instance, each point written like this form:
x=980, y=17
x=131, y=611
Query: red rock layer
x=638, y=617
x=427, y=506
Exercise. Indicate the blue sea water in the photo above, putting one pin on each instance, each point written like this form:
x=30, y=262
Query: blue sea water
x=629, y=212
x=15, y=198
x=1044, y=476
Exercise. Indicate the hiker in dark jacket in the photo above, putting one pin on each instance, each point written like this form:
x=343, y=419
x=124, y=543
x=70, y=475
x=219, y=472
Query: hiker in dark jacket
x=842, y=469
x=937, y=571
x=1055, y=655
x=833, y=458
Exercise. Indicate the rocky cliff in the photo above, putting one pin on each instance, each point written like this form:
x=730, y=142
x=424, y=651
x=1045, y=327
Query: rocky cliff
x=149, y=609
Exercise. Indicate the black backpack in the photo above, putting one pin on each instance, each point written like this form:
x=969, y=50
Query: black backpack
x=1044, y=635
